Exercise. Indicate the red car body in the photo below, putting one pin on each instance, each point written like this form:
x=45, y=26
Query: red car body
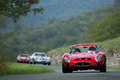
x=84, y=57
x=23, y=58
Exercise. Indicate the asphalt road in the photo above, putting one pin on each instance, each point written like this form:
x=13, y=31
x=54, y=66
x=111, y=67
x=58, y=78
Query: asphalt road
x=77, y=75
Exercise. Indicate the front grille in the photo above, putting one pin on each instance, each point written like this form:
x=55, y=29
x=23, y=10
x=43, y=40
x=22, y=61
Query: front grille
x=82, y=64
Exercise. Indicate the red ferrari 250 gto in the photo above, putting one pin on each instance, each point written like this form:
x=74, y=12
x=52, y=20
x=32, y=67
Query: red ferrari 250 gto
x=23, y=58
x=84, y=57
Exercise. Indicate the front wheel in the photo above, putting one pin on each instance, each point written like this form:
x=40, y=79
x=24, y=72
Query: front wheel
x=30, y=62
x=44, y=63
x=66, y=70
x=103, y=68
x=49, y=64
x=33, y=61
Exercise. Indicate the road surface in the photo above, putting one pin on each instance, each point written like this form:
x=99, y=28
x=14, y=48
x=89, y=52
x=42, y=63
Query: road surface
x=77, y=75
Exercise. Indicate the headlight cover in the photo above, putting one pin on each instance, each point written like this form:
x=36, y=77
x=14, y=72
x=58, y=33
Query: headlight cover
x=66, y=59
x=98, y=58
x=18, y=58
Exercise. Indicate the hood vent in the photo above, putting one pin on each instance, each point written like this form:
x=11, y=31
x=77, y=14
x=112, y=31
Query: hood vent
x=77, y=59
x=82, y=58
x=89, y=58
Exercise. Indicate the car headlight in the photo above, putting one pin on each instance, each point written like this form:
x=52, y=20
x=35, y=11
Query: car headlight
x=36, y=58
x=18, y=58
x=66, y=59
x=49, y=59
x=98, y=58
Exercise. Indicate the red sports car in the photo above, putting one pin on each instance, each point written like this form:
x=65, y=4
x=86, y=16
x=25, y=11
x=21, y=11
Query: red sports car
x=23, y=58
x=84, y=57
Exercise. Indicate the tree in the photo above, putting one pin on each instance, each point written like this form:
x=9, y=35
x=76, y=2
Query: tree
x=2, y=21
x=117, y=3
x=107, y=28
x=16, y=8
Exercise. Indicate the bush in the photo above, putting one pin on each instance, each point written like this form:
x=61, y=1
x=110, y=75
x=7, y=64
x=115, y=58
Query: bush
x=3, y=62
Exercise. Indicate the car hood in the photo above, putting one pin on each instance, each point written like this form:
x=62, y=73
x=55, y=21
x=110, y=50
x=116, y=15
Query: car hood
x=83, y=55
x=41, y=57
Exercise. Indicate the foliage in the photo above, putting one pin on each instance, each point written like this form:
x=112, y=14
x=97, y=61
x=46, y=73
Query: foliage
x=61, y=9
x=2, y=21
x=117, y=3
x=17, y=8
x=5, y=49
x=55, y=33
x=107, y=28
x=3, y=61
x=3, y=56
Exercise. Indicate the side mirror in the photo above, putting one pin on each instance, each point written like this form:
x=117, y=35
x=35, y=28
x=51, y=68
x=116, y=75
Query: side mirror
x=99, y=46
x=70, y=47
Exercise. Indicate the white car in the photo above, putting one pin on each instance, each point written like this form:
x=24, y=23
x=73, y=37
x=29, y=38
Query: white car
x=39, y=57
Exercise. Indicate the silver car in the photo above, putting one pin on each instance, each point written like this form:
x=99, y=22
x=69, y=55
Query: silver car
x=40, y=57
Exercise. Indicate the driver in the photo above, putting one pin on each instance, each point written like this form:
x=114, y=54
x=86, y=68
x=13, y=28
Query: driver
x=77, y=50
x=92, y=49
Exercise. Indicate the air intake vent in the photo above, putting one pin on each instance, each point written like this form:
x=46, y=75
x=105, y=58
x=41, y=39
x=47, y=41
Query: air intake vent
x=89, y=58
x=77, y=59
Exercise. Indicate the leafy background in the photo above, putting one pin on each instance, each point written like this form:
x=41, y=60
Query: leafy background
x=94, y=25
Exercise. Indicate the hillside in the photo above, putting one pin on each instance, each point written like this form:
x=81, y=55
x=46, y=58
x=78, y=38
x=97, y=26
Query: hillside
x=60, y=9
x=110, y=47
x=55, y=33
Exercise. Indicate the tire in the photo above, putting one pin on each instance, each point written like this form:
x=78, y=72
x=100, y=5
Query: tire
x=49, y=64
x=30, y=62
x=44, y=63
x=33, y=61
x=66, y=70
x=103, y=68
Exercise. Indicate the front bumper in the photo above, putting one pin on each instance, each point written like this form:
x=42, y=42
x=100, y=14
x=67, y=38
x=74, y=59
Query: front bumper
x=83, y=65
x=22, y=60
x=42, y=61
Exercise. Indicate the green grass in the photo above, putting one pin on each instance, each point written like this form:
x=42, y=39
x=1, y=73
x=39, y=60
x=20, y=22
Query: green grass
x=17, y=68
x=56, y=64
x=62, y=49
x=113, y=44
x=111, y=68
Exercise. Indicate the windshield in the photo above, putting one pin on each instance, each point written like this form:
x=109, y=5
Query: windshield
x=84, y=49
x=40, y=54
x=23, y=55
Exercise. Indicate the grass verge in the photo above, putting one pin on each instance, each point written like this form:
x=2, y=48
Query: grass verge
x=56, y=64
x=111, y=68
x=17, y=68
